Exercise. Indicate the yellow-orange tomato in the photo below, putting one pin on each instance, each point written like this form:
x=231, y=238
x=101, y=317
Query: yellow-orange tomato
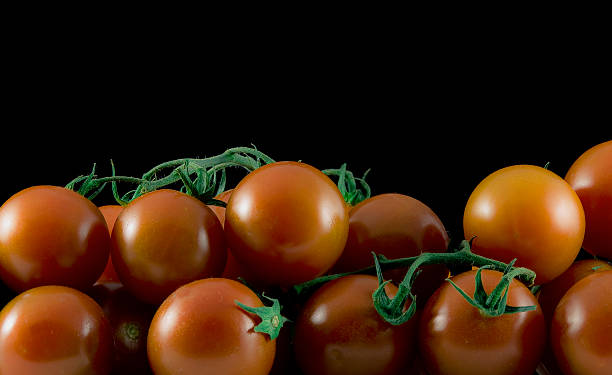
x=591, y=178
x=529, y=213
x=287, y=222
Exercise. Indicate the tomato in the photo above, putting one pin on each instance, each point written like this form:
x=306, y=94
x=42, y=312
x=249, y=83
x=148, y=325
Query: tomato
x=551, y=293
x=396, y=226
x=110, y=214
x=54, y=330
x=129, y=320
x=200, y=330
x=340, y=332
x=456, y=338
x=287, y=222
x=582, y=326
x=591, y=177
x=165, y=239
x=51, y=235
x=529, y=213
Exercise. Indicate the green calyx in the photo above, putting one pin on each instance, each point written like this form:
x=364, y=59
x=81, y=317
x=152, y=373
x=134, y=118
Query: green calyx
x=353, y=189
x=271, y=319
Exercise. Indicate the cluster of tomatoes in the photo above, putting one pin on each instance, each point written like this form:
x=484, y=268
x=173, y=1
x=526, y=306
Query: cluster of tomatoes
x=166, y=284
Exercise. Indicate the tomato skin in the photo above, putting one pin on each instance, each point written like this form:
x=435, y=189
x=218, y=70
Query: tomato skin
x=287, y=222
x=529, y=213
x=200, y=329
x=165, y=239
x=455, y=338
x=52, y=330
x=50, y=235
x=396, y=226
x=591, y=178
x=129, y=320
x=582, y=326
x=340, y=332
x=110, y=213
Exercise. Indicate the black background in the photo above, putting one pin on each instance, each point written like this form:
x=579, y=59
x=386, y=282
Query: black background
x=431, y=114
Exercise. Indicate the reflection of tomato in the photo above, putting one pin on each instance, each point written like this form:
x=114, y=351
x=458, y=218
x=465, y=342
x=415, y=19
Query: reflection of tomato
x=456, y=338
x=54, y=330
x=200, y=330
x=165, y=239
x=110, y=213
x=340, y=332
x=396, y=226
x=287, y=221
x=582, y=327
x=50, y=235
x=529, y=213
x=129, y=320
x=591, y=178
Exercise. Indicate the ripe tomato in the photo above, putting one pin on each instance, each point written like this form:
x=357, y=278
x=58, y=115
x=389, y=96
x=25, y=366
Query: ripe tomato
x=396, y=226
x=51, y=235
x=582, y=326
x=551, y=293
x=529, y=213
x=54, y=330
x=288, y=222
x=340, y=332
x=165, y=239
x=110, y=214
x=129, y=320
x=200, y=330
x=591, y=177
x=455, y=338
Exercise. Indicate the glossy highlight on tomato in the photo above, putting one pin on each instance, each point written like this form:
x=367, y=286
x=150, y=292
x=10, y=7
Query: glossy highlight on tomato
x=54, y=330
x=582, y=326
x=340, y=332
x=455, y=338
x=396, y=226
x=165, y=239
x=288, y=222
x=200, y=330
x=591, y=177
x=50, y=235
x=529, y=213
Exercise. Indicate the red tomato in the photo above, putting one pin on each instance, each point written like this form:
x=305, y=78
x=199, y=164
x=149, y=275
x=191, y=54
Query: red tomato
x=396, y=226
x=455, y=338
x=129, y=321
x=582, y=327
x=288, y=222
x=51, y=235
x=591, y=178
x=200, y=330
x=54, y=330
x=165, y=239
x=551, y=293
x=340, y=332
x=110, y=214
x=529, y=213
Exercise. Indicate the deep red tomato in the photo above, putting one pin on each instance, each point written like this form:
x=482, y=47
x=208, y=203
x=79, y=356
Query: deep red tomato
x=50, y=235
x=340, y=332
x=582, y=327
x=288, y=222
x=551, y=293
x=129, y=320
x=529, y=213
x=110, y=214
x=165, y=239
x=591, y=178
x=200, y=330
x=455, y=338
x=54, y=330
x=396, y=226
